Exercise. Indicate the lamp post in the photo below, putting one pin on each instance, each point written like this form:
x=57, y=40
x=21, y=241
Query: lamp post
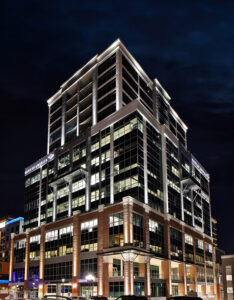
x=90, y=278
x=63, y=280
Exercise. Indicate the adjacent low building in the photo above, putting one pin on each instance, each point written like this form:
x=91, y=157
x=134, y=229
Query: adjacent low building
x=8, y=225
x=118, y=205
x=228, y=275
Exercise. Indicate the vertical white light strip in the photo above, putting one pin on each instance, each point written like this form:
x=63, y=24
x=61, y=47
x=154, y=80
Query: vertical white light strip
x=119, y=101
x=63, y=119
x=112, y=164
x=94, y=97
x=70, y=196
x=78, y=110
x=145, y=162
x=164, y=171
x=48, y=133
x=182, y=198
x=54, y=202
x=39, y=202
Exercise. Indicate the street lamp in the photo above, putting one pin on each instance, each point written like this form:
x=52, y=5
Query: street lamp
x=90, y=278
x=63, y=280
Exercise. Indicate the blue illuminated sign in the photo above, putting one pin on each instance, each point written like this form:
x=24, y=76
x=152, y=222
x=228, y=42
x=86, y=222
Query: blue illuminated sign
x=14, y=220
x=4, y=281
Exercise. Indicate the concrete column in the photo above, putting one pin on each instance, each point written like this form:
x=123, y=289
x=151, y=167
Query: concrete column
x=166, y=273
x=11, y=257
x=129, y=258
x=147, y=277
x=69, y=181
x=182, y=276
x=164, y=171
x=119, y=93
x=126, y=278
x=100, y=248
x=76, y=254
x=145, y=163
x=55, y=188
x=193, y=273
x=42, y=262
x=128, y=220
x=100, y=275
x=131, y=275
x=112, y=164
x=95, y=96
x=204, y=247
x=26, y=266
x=167, y=239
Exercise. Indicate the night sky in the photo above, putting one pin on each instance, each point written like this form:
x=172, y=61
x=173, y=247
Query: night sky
x=187, y=45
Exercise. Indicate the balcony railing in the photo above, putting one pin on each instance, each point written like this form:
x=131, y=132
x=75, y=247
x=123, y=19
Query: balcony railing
x=175, y=277
x=201, y=278
x=157, y=276
x=190, y=278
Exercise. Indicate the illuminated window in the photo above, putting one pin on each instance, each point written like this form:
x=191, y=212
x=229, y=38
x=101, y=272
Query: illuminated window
x=116, y=237
x=89, y=236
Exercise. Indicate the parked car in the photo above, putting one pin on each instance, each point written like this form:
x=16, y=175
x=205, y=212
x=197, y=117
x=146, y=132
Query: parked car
x=98, y=298
x=131, y=297
x=59, y=297
x=78, y=298
x=184, y=298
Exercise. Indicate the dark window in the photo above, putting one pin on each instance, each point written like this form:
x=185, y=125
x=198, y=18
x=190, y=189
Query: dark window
x=108, y=75
x=106, y=88
x=106, y=64
x=88, y=266
x=58, y=271
x=176, y=243
x=116, y=289
x=138, y=231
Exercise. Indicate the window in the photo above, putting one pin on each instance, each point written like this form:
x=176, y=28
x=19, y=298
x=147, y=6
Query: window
x=18, y=275
x=139, y=288
x=136, y=269
x=229, y=270
x=51, y=289
x=116, y=236
x=154, y=272
x=78, y=201
x=58, y=271
x=19, y=251
x=59, y=242
x=188, y=239
x=63, y=161
x=34, y=247
x=88, y=266
x=79, y=152
x=176, y=243
x=117, y=269
x=89, y=235
x=116, y=289
x=138, y=228
x=156, y=237
x=199, y=244
x=158, y=289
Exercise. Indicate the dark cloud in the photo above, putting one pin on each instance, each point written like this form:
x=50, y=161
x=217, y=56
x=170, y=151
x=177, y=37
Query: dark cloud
x=187, y=45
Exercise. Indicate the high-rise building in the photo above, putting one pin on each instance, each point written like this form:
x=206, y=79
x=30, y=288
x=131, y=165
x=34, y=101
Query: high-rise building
x=118, y=205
